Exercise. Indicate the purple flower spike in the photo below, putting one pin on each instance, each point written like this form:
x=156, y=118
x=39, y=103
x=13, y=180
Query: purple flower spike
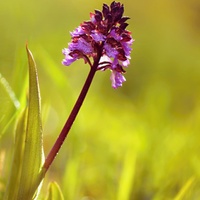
x=103, y=36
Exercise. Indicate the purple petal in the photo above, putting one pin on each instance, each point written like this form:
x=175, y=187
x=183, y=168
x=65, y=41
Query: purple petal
x=77, y=32
x=82, y=46
x=110, y=51
x=115, y=62
x=126, y=63
x=97, y=36
x=127, y=47
x=117, y=79
x=115, y=35
x=68, y=60
x=92, y=18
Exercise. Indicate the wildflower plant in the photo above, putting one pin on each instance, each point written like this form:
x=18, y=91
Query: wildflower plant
x=103, y=38
x=102, y=42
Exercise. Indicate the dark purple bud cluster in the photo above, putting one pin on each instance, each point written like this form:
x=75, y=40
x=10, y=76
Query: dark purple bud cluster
x=105, y=39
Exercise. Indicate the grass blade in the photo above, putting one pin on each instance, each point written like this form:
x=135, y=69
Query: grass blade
x=9, y=104
x=13, y=184
x=54, y=192
x=185, y=189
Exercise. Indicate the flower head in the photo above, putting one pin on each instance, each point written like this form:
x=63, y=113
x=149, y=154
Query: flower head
x=103, y=38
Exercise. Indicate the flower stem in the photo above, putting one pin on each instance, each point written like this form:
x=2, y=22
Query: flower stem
x=56, y=147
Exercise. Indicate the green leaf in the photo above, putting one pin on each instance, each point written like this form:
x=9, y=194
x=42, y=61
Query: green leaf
x=33, y=152
x=28, y=155
x=13, y=185
x=54, y=192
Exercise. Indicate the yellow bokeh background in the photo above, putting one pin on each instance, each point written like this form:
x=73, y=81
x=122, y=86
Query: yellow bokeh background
x=140, y=141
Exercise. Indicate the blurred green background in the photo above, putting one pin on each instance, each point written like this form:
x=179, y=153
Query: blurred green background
x=140, y=141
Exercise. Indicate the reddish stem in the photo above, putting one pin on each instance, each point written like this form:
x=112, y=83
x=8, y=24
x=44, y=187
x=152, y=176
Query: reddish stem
x=56, y=147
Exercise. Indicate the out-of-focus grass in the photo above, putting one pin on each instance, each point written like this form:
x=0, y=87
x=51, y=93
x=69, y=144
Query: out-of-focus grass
x=138, y=142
